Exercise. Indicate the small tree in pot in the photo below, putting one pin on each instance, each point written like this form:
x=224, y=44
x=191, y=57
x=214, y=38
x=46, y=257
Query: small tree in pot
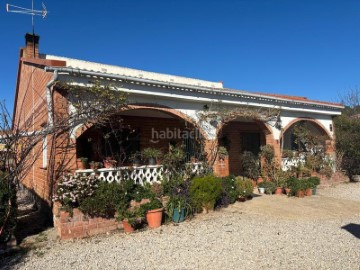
x=152, y=154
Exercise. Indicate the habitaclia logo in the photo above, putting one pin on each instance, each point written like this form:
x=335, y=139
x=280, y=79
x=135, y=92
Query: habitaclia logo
x=172, y=134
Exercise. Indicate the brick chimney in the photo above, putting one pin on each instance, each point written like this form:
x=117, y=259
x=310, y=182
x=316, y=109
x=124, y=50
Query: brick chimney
x=31, y=42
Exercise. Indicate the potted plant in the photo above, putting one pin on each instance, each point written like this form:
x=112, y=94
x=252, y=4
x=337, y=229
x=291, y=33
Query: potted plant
x=132, y=218
x=109, y=162
x=307, y=186
x=267, y=186
x=95, y=165
x=222, y=152
x=315, y=181
x=153, y=212
x=298, y=188
x=152, y=154
x=136, y=158
x=261, y=187
x=178, y=208
x=82, y=163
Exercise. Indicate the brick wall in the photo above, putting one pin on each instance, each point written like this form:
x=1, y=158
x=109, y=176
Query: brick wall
x=79, y=225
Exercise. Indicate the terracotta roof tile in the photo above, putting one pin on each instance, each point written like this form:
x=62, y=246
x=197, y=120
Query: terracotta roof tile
x=298, y=98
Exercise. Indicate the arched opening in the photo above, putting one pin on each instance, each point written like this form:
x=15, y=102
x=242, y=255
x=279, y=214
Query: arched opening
x=243, y=135
x=131, y=131
x=304, y=136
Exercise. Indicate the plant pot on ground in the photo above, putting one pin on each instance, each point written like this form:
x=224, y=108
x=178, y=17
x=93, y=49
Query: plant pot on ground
x=178, y=208
x=314, y=181
x=268, y=186
x=151, y=154
x=278, y=191
x=153, y=213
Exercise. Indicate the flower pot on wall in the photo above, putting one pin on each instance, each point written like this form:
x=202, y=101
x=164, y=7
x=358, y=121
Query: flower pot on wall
x=109, y=163
x=154, y=217
x=81, y=164
x=152, y=161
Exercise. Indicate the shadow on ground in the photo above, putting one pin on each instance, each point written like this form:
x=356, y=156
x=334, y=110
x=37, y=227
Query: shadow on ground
x=352, y=228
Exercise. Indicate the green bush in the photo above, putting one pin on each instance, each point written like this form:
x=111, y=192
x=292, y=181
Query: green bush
x=105, y=202
x=250, y=165
x=244, y=187
x=315, y=181
x=205, y=191
x=229, y=192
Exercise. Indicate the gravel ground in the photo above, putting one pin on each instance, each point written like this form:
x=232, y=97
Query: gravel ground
x=267, y=232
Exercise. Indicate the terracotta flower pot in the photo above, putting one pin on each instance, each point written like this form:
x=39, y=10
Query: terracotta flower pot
x=80, y=164
x=308, y=192
x=109, y=163
x=154, y=217
x=278, y=191
x=127, y=227
x=287, y=191
x=260, y=180
x=300, y=194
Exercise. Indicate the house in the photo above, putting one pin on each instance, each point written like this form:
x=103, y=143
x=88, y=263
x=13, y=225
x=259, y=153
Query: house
x=161, y=110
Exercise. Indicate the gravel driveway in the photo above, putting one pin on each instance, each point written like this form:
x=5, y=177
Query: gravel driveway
x=267, y=232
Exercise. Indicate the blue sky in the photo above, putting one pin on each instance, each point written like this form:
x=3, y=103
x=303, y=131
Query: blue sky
x=307, y=48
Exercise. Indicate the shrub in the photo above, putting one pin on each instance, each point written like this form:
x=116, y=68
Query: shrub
x=229, y=192
x=244, y=187
x=72, y=189
x=315, y=181
x=205, y=191
x=250, y=165
x=7, y=207
x=105, y=201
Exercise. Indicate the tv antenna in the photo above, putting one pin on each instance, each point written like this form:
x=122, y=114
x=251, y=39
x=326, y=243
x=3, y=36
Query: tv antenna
x=33, y=12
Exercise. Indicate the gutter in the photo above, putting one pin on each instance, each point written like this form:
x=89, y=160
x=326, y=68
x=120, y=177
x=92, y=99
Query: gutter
x=185, y=87
x=49, y=100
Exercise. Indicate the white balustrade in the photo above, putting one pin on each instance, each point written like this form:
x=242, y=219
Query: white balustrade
x=139, y=174
x=288, y=163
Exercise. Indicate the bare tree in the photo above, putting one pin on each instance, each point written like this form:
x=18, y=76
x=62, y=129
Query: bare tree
x=25, y=137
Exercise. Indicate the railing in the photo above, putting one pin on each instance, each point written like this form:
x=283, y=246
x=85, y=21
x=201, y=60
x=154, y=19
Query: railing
x=288, y=163
x=139, y=174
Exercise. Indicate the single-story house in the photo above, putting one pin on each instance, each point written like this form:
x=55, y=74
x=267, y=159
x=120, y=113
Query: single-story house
x=161, y=110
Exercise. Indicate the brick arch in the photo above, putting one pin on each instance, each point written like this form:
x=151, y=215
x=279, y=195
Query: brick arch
x=231, y=165
x=316, y=122
x=329, y=143
x=265, y=128
x=80, y=129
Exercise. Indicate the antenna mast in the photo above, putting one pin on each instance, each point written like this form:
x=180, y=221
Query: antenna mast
x=21, y=10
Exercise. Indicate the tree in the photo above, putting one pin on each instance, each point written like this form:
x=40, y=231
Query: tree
x=24, y=138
